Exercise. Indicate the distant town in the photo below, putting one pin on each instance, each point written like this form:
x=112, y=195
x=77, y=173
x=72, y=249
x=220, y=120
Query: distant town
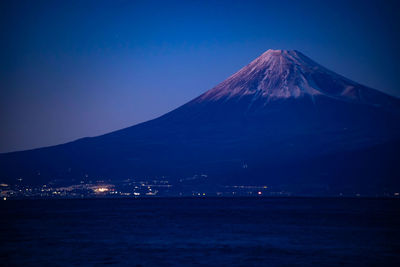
x=127, y=188
x=131, y=188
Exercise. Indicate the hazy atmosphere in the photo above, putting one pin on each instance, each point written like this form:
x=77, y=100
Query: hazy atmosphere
x=199, y=133
x=71, y=69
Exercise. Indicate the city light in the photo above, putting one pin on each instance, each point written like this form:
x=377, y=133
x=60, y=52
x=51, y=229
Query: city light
x=101, y=189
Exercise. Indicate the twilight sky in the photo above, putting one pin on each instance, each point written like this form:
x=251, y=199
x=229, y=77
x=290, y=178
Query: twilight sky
x=70, y=69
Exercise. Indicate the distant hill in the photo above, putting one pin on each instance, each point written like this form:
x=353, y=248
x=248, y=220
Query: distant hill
x=282, y=120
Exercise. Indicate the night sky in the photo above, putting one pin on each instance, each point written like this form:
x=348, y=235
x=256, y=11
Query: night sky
x=70, y=69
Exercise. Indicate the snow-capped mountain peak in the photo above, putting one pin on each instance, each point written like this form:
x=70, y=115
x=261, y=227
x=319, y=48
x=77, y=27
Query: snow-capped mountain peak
x=274, y=74
x=282, y=74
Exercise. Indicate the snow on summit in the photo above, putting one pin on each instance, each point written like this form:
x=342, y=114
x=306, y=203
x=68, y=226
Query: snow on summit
x=282, y=74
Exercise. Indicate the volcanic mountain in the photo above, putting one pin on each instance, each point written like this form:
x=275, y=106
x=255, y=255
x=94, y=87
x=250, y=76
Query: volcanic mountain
x=282, y=120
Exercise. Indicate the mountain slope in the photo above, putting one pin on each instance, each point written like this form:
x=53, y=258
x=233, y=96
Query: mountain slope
x=283, y=116
x=281, y=74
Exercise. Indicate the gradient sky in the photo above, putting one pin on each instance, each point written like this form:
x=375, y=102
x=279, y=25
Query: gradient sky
x=70, y=69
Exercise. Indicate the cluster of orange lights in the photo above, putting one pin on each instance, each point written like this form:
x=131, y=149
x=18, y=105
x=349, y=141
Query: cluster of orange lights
x=101, y=189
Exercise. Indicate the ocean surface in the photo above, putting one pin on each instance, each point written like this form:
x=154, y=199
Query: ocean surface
x=201, y=232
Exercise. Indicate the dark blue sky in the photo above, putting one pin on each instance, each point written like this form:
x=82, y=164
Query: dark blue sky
x=70, y=69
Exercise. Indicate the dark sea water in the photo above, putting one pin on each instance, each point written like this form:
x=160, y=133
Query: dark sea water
x=201, y=232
